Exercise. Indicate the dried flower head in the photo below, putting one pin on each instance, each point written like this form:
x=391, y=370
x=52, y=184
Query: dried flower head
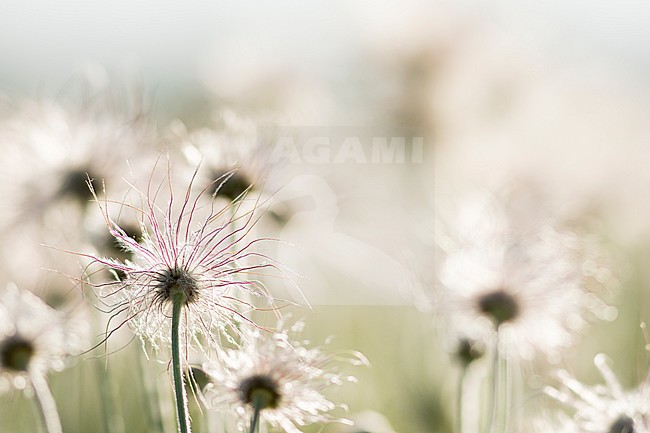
x=65, y=144
x=232, y=151
x=283, y=379
x=526, y=283
x=50, y=149
x=237, y=154
x=605, y=408
x=467, y=351
x=191, y=253
x=34, y=338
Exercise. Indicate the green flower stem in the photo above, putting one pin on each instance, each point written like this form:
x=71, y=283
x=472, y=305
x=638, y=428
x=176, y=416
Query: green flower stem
x=496, y=380
x=179, y=383
x=45, y=404
x=111, y=420
x=507, y=386
x=256, y=417
x=501, y=392
x=459, y=400
x=153, y=399
x=106, y=397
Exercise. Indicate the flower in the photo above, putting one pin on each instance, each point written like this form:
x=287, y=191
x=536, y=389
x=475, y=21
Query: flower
x=50, y=149
x=467, y=351
x=233, y=152
x=237, y=155
x=605, y=408
x=34, y=338
x=284, y=379
x=525, y=283
x=192, y=253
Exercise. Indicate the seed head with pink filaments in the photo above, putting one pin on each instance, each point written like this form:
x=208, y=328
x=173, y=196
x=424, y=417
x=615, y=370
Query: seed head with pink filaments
x=192, y=253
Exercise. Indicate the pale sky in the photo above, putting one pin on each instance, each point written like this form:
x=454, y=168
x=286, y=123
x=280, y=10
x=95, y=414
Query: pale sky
x=43, y=42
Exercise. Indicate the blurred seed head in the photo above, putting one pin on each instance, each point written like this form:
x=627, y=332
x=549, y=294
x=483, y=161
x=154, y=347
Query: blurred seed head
x=606, y=408
x=286, y=379
x=468, y=351
x=34, y=338
x=532, y=282
x=499, y=305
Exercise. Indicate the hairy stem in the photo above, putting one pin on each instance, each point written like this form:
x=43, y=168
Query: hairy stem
x=45, y=403
x=179, y=383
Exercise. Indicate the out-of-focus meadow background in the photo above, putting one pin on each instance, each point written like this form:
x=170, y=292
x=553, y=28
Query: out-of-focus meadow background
x=547, y=96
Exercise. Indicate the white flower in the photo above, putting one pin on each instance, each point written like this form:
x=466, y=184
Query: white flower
x=284, y=378
x=528, y=282
x=233, y=152
x=238, y=161
x=605, y=408
x=189, y=251
x=34, y=338
x=50, y=148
